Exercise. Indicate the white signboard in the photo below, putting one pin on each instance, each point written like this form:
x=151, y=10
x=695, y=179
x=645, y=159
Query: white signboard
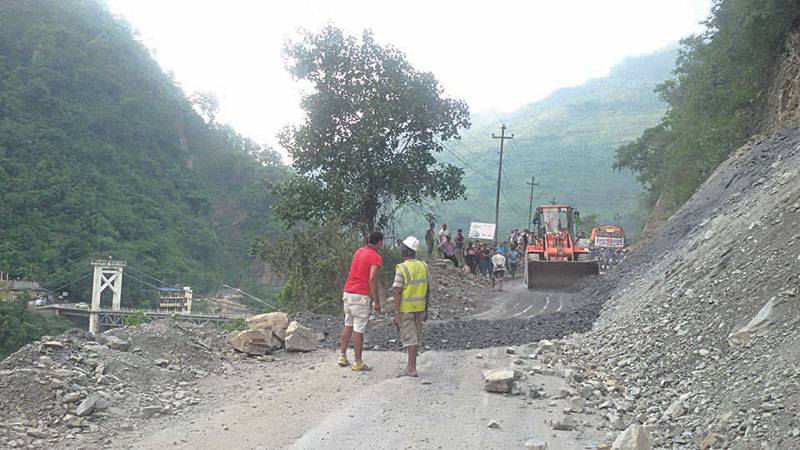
x=480, y=230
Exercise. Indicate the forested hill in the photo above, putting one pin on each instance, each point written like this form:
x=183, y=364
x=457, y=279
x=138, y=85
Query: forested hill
x=101, y=154
x=566, y=141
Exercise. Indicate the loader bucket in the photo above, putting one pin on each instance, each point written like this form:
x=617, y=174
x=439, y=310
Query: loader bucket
x=558, y=274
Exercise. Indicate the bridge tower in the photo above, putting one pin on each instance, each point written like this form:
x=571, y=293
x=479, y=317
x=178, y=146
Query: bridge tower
x=107, y=275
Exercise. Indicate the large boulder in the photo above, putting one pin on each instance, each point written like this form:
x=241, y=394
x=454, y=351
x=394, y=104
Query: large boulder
x=500, y=380
x=635, y=437
x=300, y=338
x=275, y=321
x=253, y=342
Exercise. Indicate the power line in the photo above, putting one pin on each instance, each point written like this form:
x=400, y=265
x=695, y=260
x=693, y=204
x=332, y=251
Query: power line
x=73, y=281
x=149, y=276
x=143, y=282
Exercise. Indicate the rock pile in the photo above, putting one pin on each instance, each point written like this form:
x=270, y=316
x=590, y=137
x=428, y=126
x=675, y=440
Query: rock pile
x=699, y=340
x=454, y=292
x=272, y=331
x=52, y=389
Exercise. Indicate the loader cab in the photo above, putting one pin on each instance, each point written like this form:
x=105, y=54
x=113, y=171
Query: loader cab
x=554, y=219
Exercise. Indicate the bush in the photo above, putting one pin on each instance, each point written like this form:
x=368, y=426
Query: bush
x=136, y=318
x=234, y=325
x=316, y=261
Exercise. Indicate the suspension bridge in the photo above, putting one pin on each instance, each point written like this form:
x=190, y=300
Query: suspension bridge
x=108, y=276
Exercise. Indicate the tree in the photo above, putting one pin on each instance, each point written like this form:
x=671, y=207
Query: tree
x=372, y=126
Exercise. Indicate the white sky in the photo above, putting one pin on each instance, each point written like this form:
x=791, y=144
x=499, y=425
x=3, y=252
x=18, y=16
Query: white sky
x=495, y=55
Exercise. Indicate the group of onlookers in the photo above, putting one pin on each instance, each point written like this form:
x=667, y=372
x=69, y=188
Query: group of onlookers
x=479, y=257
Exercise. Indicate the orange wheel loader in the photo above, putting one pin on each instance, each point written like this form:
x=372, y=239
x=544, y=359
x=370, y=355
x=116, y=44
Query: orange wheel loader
x=553, y=260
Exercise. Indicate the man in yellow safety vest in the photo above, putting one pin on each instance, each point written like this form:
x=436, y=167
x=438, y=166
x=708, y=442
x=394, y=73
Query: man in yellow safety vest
x=411, y=298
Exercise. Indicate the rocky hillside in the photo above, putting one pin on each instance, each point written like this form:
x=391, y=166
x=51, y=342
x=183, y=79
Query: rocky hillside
x=699, y=338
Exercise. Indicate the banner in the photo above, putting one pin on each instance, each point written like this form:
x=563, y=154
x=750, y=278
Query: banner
x=480, y=230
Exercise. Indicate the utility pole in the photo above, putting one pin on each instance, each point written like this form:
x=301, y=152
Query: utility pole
x=530, y=205
x=502, y=138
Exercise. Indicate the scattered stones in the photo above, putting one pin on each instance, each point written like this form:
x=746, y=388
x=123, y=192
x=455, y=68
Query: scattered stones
x=500, y=380
x=494, y=425
x=535, y=444
x=635, y=437
x=565, y=424
x=86, y=407
x=425, y=382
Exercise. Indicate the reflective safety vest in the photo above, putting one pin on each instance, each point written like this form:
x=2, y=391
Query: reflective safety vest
x=415, y=285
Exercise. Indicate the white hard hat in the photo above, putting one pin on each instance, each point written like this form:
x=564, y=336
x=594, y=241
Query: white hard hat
x=411, y=242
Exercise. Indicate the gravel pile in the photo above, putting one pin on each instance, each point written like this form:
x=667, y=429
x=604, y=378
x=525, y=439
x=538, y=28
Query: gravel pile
x=699, y=339
x=55, y=388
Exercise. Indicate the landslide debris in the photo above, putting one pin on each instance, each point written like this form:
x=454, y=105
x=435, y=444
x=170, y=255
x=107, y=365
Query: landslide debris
x=699, y=338
x=55, y=388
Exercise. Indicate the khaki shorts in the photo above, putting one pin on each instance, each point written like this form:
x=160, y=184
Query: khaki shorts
x=356, y=311
x=411, y=327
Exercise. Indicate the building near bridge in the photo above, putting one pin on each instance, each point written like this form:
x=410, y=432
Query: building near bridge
x=27, y=289
x=175, y=300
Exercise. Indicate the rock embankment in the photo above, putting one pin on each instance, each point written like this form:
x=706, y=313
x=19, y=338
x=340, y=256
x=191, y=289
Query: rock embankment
x=700, y=332
x=58, y=387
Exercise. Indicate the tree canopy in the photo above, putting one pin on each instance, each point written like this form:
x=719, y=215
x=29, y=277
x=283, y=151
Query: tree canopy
x=102, y=153
x=372, y=126
x=715, y=97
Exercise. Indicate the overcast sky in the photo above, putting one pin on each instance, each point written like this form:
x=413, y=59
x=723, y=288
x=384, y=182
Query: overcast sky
x=496, y=55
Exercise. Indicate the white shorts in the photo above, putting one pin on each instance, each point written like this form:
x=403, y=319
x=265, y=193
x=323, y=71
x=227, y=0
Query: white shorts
x=356, y=311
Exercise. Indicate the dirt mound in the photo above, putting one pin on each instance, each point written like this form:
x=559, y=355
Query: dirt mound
x=700, y=332
x=59, y=386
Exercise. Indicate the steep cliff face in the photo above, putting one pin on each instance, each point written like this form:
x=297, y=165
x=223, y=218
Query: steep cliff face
x=783, y=98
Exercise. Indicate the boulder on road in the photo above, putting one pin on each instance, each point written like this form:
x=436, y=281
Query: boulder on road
x=300, y=338
x=635, y=437
x=277, y=322
x=500, y=380
x=253, y=342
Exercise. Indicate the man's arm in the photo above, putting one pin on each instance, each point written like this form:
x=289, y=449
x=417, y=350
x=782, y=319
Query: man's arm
x=373, y=288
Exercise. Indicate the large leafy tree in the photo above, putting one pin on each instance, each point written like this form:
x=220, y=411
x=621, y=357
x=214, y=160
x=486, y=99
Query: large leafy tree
x=372, y=126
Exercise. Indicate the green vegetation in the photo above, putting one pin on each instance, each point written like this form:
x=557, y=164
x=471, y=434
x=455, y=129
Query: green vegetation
x=567, y=142
x=19, y=327
x=101, y=153
x=317, y=260
x=234, y=325
x=136, y=318
x=373, y=123
x=716, y=97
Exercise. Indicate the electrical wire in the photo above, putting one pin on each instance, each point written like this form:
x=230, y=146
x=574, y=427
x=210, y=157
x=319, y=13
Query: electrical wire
x=73, y=281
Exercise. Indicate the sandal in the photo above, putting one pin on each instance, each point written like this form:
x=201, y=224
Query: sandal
x=360, y=367
x=407, y=374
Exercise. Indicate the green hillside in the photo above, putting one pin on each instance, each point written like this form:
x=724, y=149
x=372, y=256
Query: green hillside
x=101, y=154
x=566, y=141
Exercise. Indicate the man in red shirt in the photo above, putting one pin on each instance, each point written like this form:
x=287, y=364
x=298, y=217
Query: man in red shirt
x=362, y=283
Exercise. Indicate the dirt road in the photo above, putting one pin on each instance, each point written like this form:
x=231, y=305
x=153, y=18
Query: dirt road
x=306, y=401
x=519, y=302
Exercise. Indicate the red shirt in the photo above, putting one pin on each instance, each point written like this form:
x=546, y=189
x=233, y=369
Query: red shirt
x=358, y=279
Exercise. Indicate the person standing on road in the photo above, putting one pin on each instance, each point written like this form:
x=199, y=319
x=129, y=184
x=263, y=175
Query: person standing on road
x=442, y=236
x=362, y=283
x=459, y=241
x=411, y=299
x=499, y=268
x=513, y=260
x=429, y=240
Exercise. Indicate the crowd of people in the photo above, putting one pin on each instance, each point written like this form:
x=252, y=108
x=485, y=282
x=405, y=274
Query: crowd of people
x=480, y=257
